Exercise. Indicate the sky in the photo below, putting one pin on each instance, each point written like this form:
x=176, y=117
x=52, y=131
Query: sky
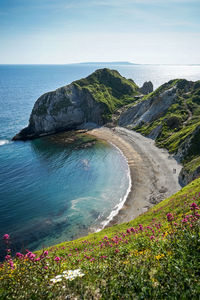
x=72, y=31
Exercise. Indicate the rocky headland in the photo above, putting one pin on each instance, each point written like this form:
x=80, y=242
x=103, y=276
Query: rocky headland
x=170, y=115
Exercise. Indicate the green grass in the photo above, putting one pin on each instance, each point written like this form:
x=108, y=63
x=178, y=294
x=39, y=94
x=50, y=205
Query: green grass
x=109, y=87
x=147, y=258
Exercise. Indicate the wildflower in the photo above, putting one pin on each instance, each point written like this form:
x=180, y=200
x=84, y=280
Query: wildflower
x=68, y=274
x=7, y=257
x=141, y=227
x=105, y=237
x=30, y=255
x=8, y=250
x=194, y=206
x=37, y=259
x=117, y=250
x=19, y=255
x=159, y=256
x=128, y=231
x=46, y=253
x=184, y=220
x=169, y=217
x=11, y=264
x=92, y=259
x=6, y=236
x=152, y=237
x=57, y=258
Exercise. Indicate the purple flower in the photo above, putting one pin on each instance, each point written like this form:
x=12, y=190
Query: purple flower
x=169, y=217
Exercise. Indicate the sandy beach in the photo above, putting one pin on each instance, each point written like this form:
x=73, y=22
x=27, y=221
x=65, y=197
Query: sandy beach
x=152, y=171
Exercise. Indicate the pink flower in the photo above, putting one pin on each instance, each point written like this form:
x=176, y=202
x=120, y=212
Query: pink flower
x=19, y=255
x=169, y=217
x=46, y=253
x=141, y=227
x=7, y=257
x=152, y=237
x=11, y=264
x=30, y=255
x=194, y=206
x=105, y=237
x=92, y=259
x=184, y=220
x=8, y=250
x=128, y=230
x=57, y=258
x=6, y=236
x=117, y=250
x=37, y=259
x=45, y=267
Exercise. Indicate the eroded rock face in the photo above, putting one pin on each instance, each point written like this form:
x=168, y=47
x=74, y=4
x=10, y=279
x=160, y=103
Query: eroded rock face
x=90, y=100
x=146, y=88
x=148, y=110
x=66, y=108
x=186, y=177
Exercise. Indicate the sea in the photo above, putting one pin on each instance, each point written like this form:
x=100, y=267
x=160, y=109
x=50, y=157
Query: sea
x=51, y=191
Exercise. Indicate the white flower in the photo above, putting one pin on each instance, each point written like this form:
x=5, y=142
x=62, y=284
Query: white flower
x=68, y=274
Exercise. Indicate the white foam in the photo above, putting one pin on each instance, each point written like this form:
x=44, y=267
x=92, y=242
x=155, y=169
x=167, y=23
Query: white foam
x=4, y=142
x=119, y=206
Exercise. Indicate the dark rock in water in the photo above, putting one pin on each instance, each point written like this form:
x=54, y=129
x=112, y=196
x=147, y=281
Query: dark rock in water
x=86, y=101
x=147, y=88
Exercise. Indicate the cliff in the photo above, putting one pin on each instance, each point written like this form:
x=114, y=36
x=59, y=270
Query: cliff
x=89, y=100
x=171, y=116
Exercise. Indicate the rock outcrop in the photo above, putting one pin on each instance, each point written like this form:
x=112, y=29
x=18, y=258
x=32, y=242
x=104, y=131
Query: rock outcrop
x=170, y=116
x=148, y=110
x=147, y=88
x=89, y=100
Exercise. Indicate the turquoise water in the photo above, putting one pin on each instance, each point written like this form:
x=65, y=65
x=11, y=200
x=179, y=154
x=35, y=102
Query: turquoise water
x=51, y=192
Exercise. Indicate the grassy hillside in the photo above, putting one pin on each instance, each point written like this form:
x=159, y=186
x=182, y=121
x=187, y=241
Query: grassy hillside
x=155, y=256
x=109, y=87
x=180, y=124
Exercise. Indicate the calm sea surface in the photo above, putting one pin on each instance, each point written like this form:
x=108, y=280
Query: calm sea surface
x=49, y=191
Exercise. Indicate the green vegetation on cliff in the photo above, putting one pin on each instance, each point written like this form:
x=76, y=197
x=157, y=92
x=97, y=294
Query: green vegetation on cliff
x=155, y=256
x=180, y=124
x=109, y=87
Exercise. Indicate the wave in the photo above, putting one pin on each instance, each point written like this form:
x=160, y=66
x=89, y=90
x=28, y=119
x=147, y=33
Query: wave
x=4, y=142
x=119, y=206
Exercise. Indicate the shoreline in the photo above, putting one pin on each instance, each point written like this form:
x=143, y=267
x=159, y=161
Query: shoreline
x=151, y=171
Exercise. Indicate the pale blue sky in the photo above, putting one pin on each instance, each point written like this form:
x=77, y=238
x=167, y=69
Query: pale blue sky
x=68, y=31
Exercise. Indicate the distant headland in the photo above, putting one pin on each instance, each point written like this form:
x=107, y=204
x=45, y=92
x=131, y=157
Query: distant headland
x=110, y=63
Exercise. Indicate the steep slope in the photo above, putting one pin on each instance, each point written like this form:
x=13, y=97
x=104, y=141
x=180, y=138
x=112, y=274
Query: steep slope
x=171, y=116
x=92, y=99
x=155, y=256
